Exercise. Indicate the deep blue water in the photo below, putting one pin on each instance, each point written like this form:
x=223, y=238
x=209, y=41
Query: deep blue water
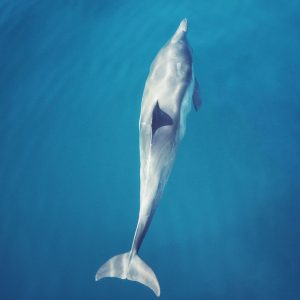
x=71, y=80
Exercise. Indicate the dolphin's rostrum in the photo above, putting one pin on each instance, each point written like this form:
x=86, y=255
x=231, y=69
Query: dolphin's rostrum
x=170, y=88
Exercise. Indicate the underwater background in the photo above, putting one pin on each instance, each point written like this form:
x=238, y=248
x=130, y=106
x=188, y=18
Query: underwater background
x=72, y=75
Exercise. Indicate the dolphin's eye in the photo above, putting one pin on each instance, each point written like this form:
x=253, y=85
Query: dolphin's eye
x=159, y=118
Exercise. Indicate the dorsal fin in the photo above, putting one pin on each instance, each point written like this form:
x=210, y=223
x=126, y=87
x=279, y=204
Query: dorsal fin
x=196, y=95
x=159, y=118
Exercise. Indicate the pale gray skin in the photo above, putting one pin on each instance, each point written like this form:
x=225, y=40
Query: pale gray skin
x=169, y=90
x=171, y=83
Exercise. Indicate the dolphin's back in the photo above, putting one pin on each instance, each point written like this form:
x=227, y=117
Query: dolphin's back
x=166, y=102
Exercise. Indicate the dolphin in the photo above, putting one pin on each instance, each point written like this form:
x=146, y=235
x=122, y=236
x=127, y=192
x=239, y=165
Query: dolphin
x=170, y=89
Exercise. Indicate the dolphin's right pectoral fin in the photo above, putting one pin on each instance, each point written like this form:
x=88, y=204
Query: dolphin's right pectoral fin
x=159, y=118
x=196, y=95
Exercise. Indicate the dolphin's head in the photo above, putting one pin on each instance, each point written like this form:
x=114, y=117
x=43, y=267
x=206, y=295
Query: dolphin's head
x=181, y=31
x=183, y=25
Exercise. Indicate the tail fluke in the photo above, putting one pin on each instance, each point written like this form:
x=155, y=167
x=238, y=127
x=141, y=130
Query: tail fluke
x=134, y=268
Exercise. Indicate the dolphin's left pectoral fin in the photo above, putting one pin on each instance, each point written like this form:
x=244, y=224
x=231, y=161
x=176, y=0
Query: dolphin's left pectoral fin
x=196, y=96
x=159, y=118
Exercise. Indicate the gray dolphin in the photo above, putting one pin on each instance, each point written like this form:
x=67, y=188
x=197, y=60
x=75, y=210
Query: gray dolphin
x=170, y=88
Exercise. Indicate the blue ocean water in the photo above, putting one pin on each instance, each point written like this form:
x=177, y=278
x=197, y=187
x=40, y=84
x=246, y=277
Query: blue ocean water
x=71, y=79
